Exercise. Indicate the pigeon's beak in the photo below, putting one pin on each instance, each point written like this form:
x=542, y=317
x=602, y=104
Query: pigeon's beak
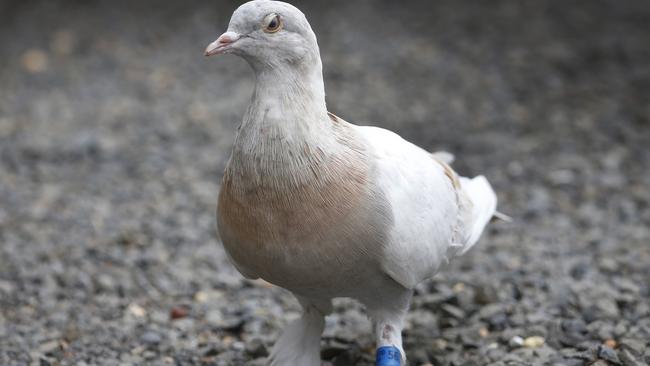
x=222, y=44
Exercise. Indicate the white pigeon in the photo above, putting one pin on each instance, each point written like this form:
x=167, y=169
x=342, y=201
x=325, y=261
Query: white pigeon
x=325, y=208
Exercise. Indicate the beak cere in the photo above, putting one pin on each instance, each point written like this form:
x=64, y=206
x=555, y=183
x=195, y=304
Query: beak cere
x=222, y=44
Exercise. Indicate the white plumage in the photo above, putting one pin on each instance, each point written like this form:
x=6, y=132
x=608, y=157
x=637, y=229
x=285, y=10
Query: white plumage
x=325, y=208
x=438, y=214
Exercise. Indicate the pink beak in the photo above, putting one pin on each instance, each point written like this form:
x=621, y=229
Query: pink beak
x=222, y=44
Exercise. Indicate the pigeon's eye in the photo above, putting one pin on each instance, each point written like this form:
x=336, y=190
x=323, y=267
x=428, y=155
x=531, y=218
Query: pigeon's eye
x=272, y=23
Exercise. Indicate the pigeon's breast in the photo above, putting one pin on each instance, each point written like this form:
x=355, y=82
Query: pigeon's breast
x=319, y=227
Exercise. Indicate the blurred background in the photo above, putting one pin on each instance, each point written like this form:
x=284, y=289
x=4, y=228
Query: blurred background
x=114, y=132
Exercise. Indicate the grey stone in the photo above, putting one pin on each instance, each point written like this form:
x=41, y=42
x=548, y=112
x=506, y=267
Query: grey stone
x=150, y=338
x=600, y=363
x=486, y=294
x=333, y=349
x=628, y=359
x=256, y=348
x=49, y=347
x=453, y=311
x=516, y=341
x=633, y=345
x=608, y=354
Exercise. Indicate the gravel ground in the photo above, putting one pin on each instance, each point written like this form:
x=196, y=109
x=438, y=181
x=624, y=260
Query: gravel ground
x=114, y=131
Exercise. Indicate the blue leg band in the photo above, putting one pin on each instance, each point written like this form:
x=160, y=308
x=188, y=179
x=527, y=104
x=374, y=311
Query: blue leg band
x=388, y=356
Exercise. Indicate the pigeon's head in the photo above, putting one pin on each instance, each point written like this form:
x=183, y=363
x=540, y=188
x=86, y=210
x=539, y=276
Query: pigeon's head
x=267, y=34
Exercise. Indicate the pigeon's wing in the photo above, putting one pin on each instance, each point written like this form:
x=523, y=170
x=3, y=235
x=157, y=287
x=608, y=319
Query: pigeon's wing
x=436, y=214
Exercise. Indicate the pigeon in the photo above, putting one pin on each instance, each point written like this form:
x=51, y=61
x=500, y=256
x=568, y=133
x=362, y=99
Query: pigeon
x=325, y=208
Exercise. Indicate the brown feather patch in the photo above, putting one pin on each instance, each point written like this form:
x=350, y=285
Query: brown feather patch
x=333, y=117
x=449, y=172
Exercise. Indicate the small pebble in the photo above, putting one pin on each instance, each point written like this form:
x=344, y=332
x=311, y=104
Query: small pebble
x=533, y=342
x=150, y=338
x=63, y=42
x=136, y=310
x=35, y=61
x=201, y=297
x=178, y=312
x=610, y=343
x=49, y=347
x=453, y=311
x=458, y=287
x=483, y=332
x=255, y=347
x=516, y=341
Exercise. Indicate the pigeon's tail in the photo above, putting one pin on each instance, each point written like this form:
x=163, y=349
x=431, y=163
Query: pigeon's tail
x=479, y=210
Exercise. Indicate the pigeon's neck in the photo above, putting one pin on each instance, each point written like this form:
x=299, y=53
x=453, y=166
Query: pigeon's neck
x=287, y=107
x=295, y=91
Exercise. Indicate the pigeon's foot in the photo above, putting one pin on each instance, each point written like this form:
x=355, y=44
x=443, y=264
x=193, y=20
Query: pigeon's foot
x=389, y=346
x=299, y=344
x=388, y=322
x=294, y=359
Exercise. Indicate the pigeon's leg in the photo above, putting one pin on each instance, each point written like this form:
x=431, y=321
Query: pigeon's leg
x=299, y=344
x=388, y=318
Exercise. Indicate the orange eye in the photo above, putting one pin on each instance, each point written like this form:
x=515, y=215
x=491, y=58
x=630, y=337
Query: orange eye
x=272, y=23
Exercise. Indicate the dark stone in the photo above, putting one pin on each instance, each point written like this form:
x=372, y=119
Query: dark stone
x=348, y=357
x=150, y=338
x=178, y=312
x=256, y=348
x=608, y=354
x=628, y=359
x=573, y=332
x=486, y=294
x=332, y=349
x=633, y=345
x=498, y=322
x=211, y=352
x=579, y=270
x=453, y=311
x=418, y=356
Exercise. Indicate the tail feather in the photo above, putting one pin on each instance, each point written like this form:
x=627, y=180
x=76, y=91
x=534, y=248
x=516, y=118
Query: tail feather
x=503, y=217
x=444, y=156
x=482, y=207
